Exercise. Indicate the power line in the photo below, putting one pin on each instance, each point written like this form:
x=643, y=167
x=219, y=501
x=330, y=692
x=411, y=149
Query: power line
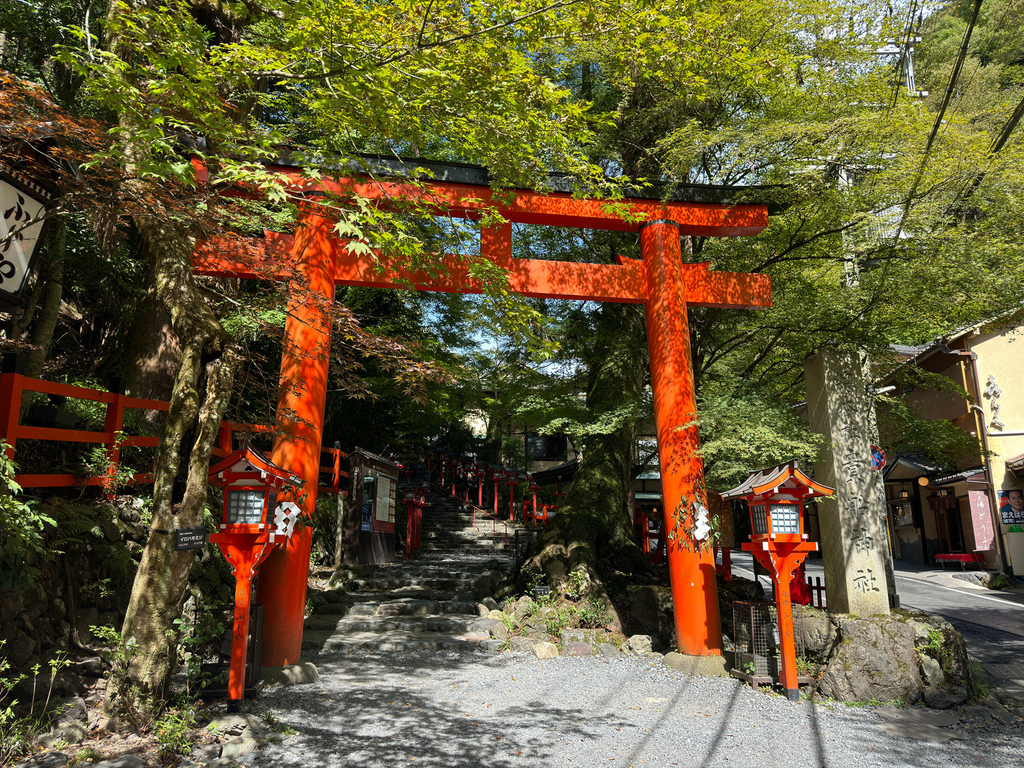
x=947, y=96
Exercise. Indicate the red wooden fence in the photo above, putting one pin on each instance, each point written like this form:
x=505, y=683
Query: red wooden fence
x=14, y=385
x=817, y=591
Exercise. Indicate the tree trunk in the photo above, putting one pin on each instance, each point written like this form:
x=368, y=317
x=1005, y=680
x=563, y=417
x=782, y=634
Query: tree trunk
x=202, y=389
x=43, y=309
x=148, y=351
x=48, y=311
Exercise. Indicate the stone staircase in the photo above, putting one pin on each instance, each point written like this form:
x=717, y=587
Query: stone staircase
x=437, y=601
x=449, y=528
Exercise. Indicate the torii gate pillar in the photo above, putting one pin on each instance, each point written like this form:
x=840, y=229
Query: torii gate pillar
x=300, y=420
x=691, y=567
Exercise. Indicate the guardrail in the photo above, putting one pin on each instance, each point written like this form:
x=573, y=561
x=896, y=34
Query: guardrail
x=13, y=387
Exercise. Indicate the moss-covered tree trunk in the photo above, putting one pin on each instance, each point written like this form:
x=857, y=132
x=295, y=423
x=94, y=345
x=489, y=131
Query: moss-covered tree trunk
x=202, y=389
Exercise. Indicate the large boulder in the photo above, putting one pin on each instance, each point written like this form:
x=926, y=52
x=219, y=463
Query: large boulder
x=874, y=659
x=941, y=653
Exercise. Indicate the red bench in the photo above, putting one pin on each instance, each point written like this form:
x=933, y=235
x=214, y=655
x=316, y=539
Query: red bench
x=963, y=558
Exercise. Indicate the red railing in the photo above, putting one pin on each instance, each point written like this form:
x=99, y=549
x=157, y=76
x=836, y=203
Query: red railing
x=14, y=385
x=547, y=511
x=817, y=591
x=12, y=389
x=330, y=470
x=723, y=562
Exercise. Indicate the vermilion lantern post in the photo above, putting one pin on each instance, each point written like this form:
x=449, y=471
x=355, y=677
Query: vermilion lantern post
x=252, y=524
x=776, y=500
x=415, y=501
x=511, y=482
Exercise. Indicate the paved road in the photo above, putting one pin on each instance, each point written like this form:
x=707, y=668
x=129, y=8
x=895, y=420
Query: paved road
x=992, y=623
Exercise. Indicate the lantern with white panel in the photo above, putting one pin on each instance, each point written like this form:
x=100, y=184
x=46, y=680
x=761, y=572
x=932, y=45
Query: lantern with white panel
x=776, y=499
x=254, y=521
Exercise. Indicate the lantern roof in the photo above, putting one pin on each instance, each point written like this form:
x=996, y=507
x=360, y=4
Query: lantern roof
x=783, y=477
x=248, y=459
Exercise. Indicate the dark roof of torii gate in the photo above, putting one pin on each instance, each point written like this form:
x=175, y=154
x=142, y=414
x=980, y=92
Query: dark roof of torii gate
x=480, y=176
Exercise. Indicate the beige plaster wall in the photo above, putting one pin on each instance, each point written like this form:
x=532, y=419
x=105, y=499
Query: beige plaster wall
x=1001, y=356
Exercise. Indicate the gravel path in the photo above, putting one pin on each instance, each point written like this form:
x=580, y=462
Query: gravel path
x=514, y=710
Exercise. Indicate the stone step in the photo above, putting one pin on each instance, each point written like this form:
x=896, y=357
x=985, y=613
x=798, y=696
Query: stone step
x=434, y=583
x=458, y=523
x=452, y=624
x=408, y=642
x=406, y=608
x=461, y=526
x=460, y=542
x=377, y=630
x=423, y=604
x=410, y=575
x=480, y=545
x=332, y=616
x=460, y=533
x=441, y=550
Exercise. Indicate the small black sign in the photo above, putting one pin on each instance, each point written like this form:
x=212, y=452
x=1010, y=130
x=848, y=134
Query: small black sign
x=541, y=592
x=189, y=538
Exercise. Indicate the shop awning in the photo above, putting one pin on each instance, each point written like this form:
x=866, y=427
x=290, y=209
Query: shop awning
x=1016, y=465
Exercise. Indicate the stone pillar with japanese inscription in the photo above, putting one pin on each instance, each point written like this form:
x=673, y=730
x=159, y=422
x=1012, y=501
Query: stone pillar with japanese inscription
x=853, y=537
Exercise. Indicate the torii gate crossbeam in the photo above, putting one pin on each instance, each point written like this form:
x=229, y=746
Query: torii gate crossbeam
x=660, y=281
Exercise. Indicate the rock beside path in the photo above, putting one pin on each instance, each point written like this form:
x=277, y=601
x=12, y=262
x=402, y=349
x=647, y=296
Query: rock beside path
x=903, y=657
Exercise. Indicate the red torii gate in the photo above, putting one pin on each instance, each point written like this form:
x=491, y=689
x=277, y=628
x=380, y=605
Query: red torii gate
x=660, y=281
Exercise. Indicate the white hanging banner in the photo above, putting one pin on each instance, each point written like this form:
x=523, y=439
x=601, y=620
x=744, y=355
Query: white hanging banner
x=20, y=231
x=284, y=519
x=701, y=521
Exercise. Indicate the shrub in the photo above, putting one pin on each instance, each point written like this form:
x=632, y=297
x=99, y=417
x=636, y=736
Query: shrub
x=17, y=732
x=21, y=530
x=592, y=613
x=172, y=731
